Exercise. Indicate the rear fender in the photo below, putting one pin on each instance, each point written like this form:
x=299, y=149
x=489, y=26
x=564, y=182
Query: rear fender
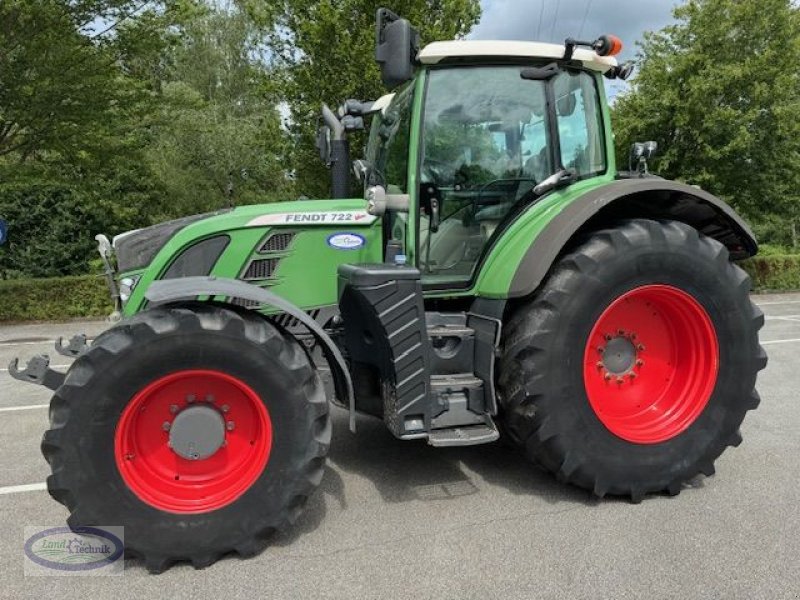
x=551, y=227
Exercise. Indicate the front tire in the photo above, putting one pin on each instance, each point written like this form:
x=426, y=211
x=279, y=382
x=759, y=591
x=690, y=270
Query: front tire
x=632, y=368
x=200, y=429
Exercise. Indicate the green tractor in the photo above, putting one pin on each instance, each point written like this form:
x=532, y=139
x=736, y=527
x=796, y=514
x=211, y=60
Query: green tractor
x=499, y=274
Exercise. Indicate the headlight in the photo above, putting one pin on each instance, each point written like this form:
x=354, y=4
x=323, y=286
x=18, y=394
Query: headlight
x=126, y=287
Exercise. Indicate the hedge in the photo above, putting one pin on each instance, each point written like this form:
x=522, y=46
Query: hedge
x=54, y=299
x=775, y=273
x=75, y=297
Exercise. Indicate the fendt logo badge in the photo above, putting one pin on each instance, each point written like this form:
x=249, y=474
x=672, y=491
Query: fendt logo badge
x=350, y=217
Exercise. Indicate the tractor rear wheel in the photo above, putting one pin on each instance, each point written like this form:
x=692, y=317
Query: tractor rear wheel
x=632, y=368
x=200, y=429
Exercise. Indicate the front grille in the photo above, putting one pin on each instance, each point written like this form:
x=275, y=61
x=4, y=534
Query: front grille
x=261, y=268
x=276, y=242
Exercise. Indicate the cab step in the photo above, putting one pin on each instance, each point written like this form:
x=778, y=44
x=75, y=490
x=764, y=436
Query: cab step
x=470, y=435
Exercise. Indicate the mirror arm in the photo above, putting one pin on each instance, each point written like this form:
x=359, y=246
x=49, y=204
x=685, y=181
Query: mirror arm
x=332, y=121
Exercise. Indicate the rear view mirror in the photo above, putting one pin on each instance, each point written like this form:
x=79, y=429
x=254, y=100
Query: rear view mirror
x=641, y=152
x=396, y=48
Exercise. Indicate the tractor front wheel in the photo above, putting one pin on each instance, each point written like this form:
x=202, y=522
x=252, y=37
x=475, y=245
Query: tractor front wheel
x=199, y=429
x=632, y=368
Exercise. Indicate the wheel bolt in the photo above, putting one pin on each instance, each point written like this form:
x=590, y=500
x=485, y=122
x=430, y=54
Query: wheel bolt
x=230, y=425
x=225, y=408
x=601, y=349
x=608, y=376
x=599, y=364
x=608, y=338
x=620, y=380
x=632, y=375
x=210, y=398
x=639, y=363
x=640, y=347
x=173, y=409
x=190, y=398
x=165, y=426
x=621, y=332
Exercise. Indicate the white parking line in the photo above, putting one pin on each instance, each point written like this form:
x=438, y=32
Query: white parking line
x=5, y=370
x=26, y=407
x=778, y=303
x=28, y=487
x=37, y=343
x=780, y=341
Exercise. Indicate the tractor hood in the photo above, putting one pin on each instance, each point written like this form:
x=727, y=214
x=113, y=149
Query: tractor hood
x=293, y=248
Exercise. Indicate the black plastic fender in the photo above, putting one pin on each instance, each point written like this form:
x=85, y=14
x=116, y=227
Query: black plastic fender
x=171, y=290
x=648, y=197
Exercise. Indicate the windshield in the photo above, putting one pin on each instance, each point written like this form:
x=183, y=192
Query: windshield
x=487, y=141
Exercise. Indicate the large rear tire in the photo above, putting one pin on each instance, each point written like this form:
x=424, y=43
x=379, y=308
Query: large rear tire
x=200, y=429
x=631, y=369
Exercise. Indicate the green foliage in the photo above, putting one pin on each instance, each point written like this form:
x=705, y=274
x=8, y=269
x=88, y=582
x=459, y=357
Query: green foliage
x=327, y=52
x=51, y=229
x=54, y=299
x=774, y=273
x=217, y=138
x=719, y=92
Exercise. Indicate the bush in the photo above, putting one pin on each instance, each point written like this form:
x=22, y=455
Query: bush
x=51, y=230
x=54, y=299
x=774, y=273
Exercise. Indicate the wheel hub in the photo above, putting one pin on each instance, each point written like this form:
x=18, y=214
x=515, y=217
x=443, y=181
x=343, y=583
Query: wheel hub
x=619, y=356
x=197, y=433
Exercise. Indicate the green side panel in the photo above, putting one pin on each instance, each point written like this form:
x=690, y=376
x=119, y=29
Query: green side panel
x=497, y=271
x=307, y=272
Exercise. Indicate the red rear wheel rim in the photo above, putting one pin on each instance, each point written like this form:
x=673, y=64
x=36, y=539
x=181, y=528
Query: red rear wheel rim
x=165, y=480
x=651, y=364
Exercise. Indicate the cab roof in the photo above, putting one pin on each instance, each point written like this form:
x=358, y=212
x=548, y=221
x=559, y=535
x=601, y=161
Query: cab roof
x=442, y=51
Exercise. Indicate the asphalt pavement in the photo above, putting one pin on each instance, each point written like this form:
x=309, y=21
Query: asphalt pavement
x=399, y=519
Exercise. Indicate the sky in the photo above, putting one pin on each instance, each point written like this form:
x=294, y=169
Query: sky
x=520, y=20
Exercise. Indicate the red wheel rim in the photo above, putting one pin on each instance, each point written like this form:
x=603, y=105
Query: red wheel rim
x=651, y=363
x=161, y=477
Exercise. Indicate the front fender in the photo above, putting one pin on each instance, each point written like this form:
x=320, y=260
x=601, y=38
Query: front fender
x=172, y=290
x=533, y=242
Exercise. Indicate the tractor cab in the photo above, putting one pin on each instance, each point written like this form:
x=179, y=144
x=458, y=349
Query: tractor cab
x=473, y=133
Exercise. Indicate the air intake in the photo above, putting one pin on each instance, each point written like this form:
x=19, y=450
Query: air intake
x=262, y=268
x=277, y=242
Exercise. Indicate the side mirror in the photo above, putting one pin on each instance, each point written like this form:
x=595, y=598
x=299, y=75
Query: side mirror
x=396, y=48
x=641, y=152
x=323, y=144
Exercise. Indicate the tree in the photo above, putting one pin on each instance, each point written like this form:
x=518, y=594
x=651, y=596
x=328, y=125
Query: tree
x=327, y=53
x=720, y=92
x=216, y=135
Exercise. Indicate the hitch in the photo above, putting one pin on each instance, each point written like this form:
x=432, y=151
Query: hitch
x=77, y=345
x=38, y=372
